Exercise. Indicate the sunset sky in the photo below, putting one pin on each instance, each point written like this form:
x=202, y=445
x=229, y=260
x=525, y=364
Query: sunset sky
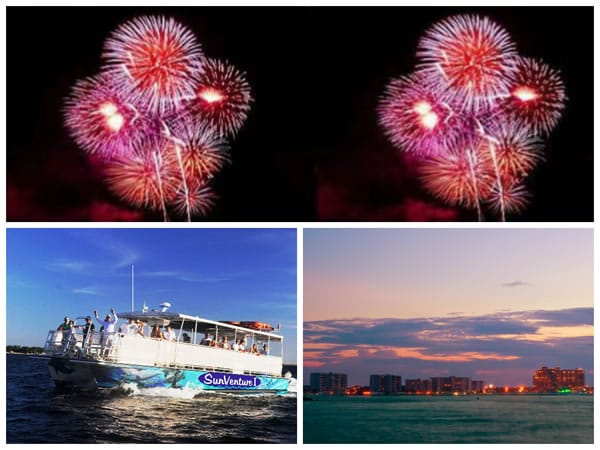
x=490, y=304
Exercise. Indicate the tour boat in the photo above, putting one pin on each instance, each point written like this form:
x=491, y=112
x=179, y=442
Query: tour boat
x=189, y=361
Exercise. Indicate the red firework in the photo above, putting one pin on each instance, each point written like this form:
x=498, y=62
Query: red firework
x=102, y=119
x=416, y=119
x=148, y=181
x=463, y=178
x=537, y=96
x=158, y=58
x=222, y=96
x=469, y=58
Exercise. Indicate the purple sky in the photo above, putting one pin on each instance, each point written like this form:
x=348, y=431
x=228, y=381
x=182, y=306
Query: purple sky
x=490, y=304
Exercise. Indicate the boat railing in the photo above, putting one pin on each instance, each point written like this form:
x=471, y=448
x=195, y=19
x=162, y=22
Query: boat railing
x=73, y=343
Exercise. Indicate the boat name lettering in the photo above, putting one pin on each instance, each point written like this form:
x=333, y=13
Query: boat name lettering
x=225, y=379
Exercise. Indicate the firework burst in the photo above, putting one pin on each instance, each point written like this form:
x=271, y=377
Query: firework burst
x=102, y=120
x=157, y=117
x=149, y=181
x=473, y=112
x=222, y=96
x=508, y=197
x=415, y=118
x=537, y=96
x=157, y=57
x=469, y=58
x=203, y=152
x=198, y=199
x=462, y=178
x=517, y=150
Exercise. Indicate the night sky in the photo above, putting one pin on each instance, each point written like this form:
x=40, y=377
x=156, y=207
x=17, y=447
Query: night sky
x=311, y=148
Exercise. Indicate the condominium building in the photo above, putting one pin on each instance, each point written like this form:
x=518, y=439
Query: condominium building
x=332, y=383
x=386, y=384
x=553, y=379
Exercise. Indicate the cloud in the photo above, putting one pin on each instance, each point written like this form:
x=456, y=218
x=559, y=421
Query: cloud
x=516, y=283
x=86, y=291
x=182, y=276
x=507, y=343
x=63, y=265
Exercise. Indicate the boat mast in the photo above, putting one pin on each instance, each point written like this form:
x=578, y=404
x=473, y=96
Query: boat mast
x=132, y=289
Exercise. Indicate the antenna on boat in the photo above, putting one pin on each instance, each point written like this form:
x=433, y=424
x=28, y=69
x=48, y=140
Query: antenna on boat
x=132, y=289
x=164, y=306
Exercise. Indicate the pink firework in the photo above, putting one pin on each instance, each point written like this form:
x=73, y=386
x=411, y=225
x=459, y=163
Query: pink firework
x=202, y=152
x=463, y=178
x=148, y=181
x=222, y=96
x=198, y=199
x=517, y=150
x=511, y=197
x=102, y=119
x=416, y=119
x=158, y=58
x=469, y=58
x=537, y=96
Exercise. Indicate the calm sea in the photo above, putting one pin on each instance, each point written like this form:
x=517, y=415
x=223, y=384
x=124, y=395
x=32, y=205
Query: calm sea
x=36, y=412
x=411, y=419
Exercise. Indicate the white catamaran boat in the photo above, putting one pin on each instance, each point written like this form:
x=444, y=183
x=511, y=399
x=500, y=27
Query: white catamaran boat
x=197, y=358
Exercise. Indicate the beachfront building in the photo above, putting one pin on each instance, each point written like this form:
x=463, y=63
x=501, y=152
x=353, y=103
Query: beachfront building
x=555, y=379
x=386, y=384
x=331, y=383
x=418, y=386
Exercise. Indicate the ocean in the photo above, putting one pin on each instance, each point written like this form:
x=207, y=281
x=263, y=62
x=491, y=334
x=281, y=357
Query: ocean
x=36, y=412
x=525, y=419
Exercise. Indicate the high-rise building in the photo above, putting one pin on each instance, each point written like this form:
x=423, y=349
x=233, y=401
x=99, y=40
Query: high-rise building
x=554, y=379
x=477, y=386
x=333, y=383
x=418, y=386
x=447, y=385
x=386, y=384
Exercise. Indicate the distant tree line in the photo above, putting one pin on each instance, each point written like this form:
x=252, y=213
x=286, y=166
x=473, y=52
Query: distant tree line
x=23, y=349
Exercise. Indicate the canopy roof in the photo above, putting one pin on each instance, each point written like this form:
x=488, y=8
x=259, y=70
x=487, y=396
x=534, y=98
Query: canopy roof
x=193, y=323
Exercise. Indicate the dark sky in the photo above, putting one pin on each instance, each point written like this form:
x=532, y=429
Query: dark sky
x=311, y=148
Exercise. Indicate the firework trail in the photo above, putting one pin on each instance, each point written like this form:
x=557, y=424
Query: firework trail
x=156, y=58
x=474, y=111
x=222, y=96
x=158, y=115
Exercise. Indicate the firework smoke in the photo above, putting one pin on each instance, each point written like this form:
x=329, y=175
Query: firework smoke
x=157, y=116
x=473, y=111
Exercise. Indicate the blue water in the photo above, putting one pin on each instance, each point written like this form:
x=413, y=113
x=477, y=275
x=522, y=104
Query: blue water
x=36, y=412
x=422, y=419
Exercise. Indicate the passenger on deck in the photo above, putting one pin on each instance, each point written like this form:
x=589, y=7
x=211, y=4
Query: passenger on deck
x=225, y=343
x=88, y=332
x=236, y=345
x=169, y=334
x=68, y=335
x=64, y=326
x=108, y=325
x=186, y=338
x=264, y=350
x=140, y=328
x=207, y=340
x=156, y=332
x=255, y=349
x=131, y=329
x=243, y=345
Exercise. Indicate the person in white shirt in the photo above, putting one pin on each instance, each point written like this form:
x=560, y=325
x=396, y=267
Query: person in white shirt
x=236, y=345
x=169, y=334
x=109, y=328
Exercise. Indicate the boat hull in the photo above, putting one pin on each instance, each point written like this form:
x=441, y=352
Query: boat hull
x=90, y=374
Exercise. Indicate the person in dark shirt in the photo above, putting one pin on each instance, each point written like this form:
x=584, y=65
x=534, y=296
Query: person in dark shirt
x=88, y=332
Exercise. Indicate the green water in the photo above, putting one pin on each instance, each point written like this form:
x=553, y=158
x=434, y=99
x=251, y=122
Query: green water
x=489, y=419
